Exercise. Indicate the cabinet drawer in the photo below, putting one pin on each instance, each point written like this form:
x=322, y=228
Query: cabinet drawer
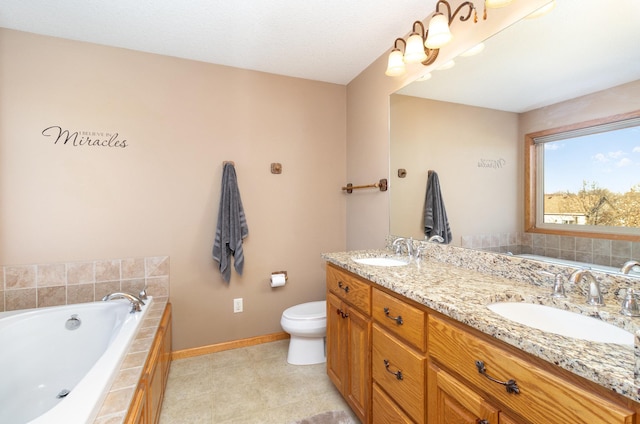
x=409, y=391
x=544, y=397
x=349, y=288
x=385, y=411
x=400, y=318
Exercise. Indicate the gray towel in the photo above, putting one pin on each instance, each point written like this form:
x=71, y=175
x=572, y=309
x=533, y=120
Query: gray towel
x=435, y=215
x=232, y=225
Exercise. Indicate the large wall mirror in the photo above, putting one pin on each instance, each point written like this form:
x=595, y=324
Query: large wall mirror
x=467, y=123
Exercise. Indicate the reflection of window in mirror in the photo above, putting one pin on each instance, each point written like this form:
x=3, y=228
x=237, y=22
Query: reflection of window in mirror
x=584, y=179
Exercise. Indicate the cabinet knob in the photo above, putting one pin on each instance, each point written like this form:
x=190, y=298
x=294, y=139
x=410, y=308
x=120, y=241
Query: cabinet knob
x=343, y=287
x=342, y=313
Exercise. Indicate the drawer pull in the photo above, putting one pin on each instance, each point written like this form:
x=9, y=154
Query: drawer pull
x=482, y=421
x=342, y=313
x=345, y=288
x=397, y=319
x=398, y=373
x=510, y=385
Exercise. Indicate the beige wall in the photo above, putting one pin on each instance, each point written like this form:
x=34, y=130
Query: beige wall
x=159, y=195
x=475, y=153
x=368, y=123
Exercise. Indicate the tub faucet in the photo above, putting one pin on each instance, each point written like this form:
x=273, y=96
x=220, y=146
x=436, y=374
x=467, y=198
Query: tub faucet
x=408, y=243
x=143, y=293
x=594, y=295
x=136, y=302
x=628, y=266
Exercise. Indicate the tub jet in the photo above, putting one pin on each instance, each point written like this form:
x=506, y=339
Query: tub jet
x=63, y=393
x=73, y=323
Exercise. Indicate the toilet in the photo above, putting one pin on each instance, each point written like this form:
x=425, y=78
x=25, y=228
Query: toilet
x=307, y=325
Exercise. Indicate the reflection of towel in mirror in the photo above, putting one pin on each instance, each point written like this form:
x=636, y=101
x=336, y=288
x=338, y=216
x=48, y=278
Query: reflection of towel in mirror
x=435, y=215
x=232, y=225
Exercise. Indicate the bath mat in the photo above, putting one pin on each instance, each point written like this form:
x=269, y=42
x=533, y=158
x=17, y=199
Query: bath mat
x=331, y=417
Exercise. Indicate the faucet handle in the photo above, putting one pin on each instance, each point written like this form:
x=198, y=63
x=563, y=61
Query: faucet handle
x=143, y=293
x=630, y=305
x=558, y=287
x=558, y=284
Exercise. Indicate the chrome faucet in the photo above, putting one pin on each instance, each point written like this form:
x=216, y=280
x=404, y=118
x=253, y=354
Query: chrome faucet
x=408, y=243
x=136, y=302
x=594, y=295
x=436, y=238
x=628, y=266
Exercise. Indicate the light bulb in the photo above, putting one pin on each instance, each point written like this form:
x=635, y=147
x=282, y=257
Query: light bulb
x=439, y=33
x=414, y=52
x=395, y=66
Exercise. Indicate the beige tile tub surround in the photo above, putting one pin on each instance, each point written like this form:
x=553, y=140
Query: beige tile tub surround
x=42, y=285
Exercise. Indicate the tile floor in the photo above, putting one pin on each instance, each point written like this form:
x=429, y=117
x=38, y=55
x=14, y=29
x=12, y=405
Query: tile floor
x=252, y=385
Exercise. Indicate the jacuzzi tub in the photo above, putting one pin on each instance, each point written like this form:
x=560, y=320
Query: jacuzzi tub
x=57, y=363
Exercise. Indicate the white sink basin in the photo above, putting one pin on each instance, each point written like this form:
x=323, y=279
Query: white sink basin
x=381, y=261
x=562, y=322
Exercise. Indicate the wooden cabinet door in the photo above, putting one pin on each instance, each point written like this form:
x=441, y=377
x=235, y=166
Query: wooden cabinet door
x=138, y=411
x=451, y=402
x=358, y=388
x=155, y=387
x=348, y=354
x=165, y=357
x=336, y=342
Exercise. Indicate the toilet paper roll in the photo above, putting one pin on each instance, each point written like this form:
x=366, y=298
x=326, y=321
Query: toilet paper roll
x=278, y=280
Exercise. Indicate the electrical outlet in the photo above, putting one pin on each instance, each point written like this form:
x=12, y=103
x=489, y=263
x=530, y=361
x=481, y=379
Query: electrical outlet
x=237, y=305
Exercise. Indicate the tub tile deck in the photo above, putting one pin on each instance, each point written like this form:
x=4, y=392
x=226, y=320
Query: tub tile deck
x=116, y=404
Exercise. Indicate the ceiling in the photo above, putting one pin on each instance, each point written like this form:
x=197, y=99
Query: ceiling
x=323, y=40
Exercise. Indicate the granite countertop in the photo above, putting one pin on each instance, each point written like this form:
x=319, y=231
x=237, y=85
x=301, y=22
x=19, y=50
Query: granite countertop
x=463, y=295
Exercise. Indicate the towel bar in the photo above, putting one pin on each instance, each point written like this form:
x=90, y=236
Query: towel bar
x=382, y=185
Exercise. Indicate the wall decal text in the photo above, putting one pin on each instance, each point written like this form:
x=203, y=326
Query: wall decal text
x=84, y=138
x=492, y=163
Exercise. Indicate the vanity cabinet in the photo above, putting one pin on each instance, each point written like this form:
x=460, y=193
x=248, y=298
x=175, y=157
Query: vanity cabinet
x=397, y=362
x=349, y=339
x=147, y=401
x=542, y=396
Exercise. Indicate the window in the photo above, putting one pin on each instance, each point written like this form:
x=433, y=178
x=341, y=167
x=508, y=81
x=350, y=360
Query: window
x=584, y=179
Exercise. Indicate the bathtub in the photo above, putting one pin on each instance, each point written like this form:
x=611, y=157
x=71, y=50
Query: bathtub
x=57, y=364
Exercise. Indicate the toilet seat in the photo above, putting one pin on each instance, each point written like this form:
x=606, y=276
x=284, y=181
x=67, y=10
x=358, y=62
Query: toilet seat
x=306, y=311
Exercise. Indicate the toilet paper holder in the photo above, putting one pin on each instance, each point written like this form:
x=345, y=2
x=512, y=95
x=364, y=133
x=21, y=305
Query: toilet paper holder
x=286, y=277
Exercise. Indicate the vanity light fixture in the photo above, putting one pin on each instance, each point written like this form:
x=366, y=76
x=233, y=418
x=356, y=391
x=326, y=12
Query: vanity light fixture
x=439, y=33
x=423, y=46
